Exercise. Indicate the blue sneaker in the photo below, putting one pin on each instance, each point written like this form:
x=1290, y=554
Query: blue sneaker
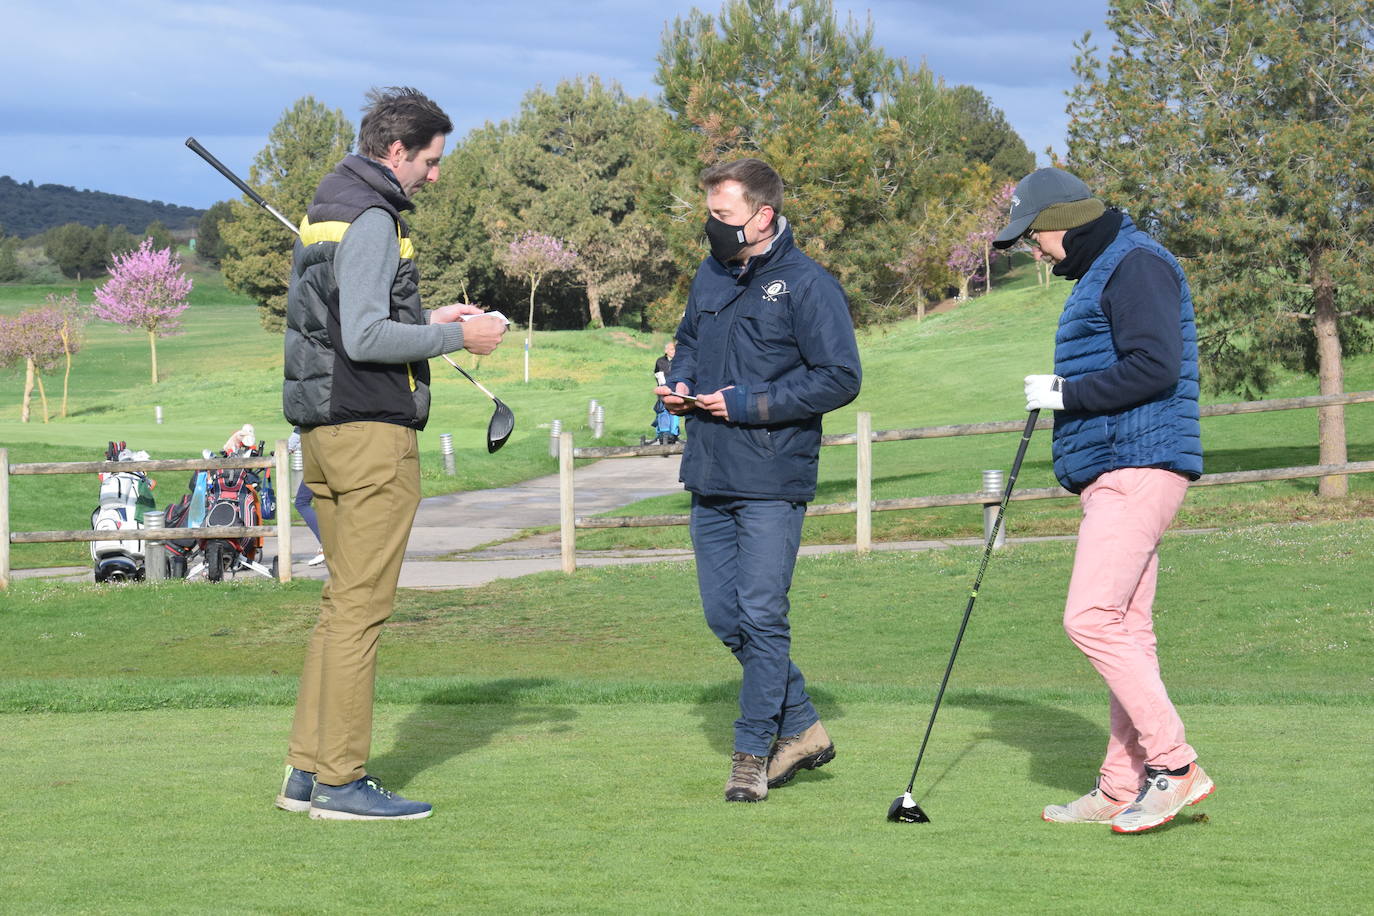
x=296, y=787
x=364, y=800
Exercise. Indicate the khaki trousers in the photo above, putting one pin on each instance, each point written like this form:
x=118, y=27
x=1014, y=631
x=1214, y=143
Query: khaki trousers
x=366, y=481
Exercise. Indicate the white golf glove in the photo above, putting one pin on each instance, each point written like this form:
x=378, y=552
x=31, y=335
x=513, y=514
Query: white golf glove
x=1044, y=392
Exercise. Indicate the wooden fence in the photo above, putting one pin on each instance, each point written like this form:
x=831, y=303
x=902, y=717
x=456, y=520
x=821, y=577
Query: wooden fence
x=864, y=436
x=282, y=529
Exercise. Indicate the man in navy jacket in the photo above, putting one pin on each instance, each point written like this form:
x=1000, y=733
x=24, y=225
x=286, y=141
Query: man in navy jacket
x=766, y=346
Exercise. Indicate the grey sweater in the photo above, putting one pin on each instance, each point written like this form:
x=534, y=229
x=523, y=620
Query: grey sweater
x=365, y=265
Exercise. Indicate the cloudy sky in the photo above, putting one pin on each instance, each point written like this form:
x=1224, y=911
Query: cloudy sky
x=102, y=94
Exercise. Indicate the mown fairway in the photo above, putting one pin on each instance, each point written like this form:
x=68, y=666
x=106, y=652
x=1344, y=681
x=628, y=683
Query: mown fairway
x=572, y=734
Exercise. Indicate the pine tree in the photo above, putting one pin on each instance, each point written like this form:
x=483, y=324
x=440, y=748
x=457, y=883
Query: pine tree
x=305, y=144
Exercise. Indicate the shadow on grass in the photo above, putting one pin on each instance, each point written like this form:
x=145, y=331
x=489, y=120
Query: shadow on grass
x=717, y=707
x=1064, y=748
x=454, y=721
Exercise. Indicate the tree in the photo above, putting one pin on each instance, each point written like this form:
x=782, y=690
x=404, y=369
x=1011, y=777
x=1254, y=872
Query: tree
x=71, y=332
x=209, y=242
x=10, y=271
x=79, y=250
x=570, y=166
x=986, y=136
x=146, y=290
x=1240, y=133
x=160, y=234
x=302, y=147
x=532, y=257
x=864, y=142
x=31, y=338
x=450, y=224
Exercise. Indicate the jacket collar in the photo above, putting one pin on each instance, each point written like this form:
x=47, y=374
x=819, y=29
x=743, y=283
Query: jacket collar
x=376, y=176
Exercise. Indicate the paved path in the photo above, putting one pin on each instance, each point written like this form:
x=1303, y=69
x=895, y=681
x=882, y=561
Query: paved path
x=446, y=543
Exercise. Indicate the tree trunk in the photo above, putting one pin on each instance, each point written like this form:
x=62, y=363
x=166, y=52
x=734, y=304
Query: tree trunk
x=1331, y=374
x=28, y=391
x=152, y=343
x=987, y=269
x=66, y=376
x=42, y=394
x=594, y=306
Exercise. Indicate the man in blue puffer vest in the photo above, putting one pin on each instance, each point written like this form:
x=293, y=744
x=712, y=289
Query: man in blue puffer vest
x=1127, y=439
x=767, y=347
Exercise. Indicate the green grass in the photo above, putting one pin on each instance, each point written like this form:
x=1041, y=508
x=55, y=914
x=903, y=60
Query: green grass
x=572, y=733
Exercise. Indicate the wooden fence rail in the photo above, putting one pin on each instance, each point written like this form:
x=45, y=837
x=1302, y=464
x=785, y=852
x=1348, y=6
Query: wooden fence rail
x=282, y=529
x=864, y=436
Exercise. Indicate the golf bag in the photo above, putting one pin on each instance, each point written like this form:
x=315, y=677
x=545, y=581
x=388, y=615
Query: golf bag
x=125, y=496
x=182, y=551
x=236, y=497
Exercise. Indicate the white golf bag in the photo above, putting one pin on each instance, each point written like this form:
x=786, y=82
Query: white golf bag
x=124, y=497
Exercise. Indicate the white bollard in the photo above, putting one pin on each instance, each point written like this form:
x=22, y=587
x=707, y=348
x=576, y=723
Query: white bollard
x=555, y=430
x=157, y=414
x=446, y=449
x=599, y=422
x=154, y=552
x=592, y=406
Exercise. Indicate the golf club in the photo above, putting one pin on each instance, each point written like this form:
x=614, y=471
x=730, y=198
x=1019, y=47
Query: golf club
x=904, y=809
x=502, y=421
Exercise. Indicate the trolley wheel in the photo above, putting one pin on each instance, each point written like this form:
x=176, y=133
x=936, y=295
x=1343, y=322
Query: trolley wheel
x=215, y=560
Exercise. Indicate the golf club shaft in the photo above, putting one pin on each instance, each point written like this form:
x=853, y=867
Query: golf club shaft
x=238, y=182
x=977, y=582
x=480, y=387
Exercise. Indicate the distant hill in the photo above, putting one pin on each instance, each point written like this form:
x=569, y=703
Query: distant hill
x=27, y=210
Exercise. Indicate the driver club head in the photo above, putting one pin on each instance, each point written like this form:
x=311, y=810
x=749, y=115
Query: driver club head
x=904, y=810
x=501, y=426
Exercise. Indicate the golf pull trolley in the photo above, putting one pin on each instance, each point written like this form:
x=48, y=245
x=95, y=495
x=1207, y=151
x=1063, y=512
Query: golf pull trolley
x=904, y=809
x=502, y=422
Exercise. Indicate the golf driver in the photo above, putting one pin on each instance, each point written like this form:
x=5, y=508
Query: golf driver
x=904, y=809
x=502, y=421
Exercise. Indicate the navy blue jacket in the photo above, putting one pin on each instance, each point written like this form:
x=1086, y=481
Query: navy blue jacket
x=780, y=333
x=1150, y=423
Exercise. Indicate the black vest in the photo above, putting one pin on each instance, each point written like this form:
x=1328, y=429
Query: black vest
x=323, y=386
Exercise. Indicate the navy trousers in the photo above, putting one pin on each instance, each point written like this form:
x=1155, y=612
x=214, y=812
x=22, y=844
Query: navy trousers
x=746, y=550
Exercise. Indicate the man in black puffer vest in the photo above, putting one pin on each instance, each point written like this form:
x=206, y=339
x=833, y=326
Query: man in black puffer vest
x=357, y=384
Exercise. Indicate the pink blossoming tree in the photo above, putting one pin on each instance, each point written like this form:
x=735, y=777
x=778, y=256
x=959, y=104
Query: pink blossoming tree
x=32, y=338
x=147, y=290
x=532, y=257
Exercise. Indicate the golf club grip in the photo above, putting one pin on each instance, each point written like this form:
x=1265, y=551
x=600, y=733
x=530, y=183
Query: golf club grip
x=238, y=182
x=220, y=167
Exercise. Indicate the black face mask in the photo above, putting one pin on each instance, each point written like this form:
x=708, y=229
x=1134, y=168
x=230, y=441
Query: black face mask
x=726, y=240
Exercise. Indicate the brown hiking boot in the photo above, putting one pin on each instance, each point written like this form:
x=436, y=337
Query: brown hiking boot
x=807, y=751
x=748, y=778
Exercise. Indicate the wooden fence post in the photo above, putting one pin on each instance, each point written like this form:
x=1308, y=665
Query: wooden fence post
x=863, y=485
x=566, y=503
x=4, y=518
x=285, y=500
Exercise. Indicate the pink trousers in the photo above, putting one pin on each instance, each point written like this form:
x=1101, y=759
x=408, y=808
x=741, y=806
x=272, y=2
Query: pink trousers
x=1108, y=616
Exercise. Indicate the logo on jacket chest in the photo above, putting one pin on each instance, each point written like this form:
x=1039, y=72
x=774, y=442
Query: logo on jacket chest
x=771, y=291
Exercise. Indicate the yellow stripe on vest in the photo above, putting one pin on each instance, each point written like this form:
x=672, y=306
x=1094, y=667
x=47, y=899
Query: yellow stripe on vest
x=333, y=231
